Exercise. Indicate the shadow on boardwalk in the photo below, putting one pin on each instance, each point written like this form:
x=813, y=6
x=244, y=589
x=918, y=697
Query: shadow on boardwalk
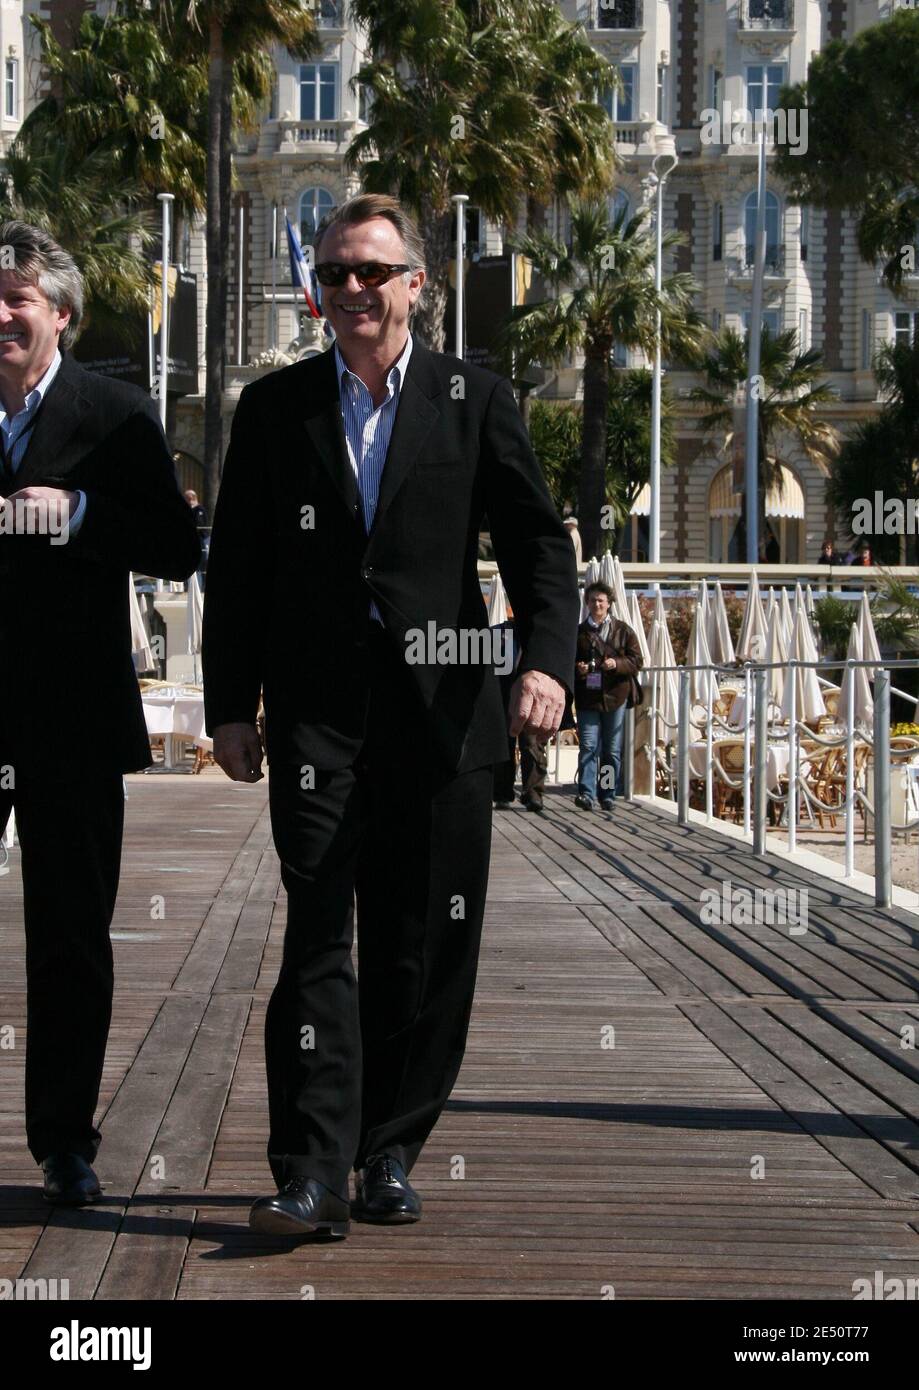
x=672, y=1108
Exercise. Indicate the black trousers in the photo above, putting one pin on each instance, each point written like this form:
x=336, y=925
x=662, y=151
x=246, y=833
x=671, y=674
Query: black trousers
x=70, y=828
x=361, y=1066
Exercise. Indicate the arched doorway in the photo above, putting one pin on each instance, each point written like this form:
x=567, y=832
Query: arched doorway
x=785, y=520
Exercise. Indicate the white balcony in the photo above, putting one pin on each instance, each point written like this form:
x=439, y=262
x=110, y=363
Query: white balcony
x=767, y=14
x=615, y=15
x=310, y=137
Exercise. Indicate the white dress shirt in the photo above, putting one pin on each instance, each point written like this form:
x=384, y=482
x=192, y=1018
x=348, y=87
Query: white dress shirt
x=368, y=430
x=17, y=433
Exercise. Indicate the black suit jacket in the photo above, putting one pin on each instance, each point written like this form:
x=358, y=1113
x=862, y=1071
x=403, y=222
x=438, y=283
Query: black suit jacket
x=68, y=689
x=286, y=608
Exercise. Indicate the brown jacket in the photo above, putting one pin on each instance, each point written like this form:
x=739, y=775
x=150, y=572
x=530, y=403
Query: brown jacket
x=619, y=683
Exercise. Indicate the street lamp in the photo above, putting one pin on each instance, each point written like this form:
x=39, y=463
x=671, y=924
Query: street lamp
x=460, y=199
x=661, y=167
x=165, y=199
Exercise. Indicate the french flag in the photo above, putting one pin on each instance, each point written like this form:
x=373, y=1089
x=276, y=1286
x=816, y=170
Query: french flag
x=299, y=270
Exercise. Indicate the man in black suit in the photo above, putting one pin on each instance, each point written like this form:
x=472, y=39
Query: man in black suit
x=89, y=495
x=347, y=593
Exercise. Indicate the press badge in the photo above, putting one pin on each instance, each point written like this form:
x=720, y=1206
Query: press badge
x=594, y=680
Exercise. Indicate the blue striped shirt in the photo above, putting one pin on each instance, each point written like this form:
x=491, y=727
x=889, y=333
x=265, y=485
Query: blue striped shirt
x=368, y=430
x=17, y=433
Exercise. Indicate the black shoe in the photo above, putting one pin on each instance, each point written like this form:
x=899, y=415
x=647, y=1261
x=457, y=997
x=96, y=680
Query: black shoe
x=301, y=1207
x=584, y=802
x=607, y=803
x=69, y=1181
x=504, y=805
x=536, y=807
x=383, y=1193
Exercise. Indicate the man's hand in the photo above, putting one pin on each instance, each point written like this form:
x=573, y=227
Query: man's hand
x=54, y=503
x=536, y=706
x=238, y=750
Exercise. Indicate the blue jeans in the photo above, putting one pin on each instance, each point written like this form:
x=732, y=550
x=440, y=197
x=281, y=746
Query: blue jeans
x=600, y=740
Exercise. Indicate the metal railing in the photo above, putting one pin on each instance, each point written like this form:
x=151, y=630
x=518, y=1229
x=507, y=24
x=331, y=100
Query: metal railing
x=612, y=14
x=668, y=752
x=767, y=14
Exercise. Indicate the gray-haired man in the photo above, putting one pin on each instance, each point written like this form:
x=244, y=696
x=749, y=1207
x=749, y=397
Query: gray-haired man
x=89, y=494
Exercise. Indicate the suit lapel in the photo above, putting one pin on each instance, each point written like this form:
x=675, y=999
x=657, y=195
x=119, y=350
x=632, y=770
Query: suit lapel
x=52, y=451
x=415, y=417
x=325, y=430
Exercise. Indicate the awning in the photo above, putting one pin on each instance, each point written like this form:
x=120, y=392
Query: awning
x=642, y=504
x=785, y=498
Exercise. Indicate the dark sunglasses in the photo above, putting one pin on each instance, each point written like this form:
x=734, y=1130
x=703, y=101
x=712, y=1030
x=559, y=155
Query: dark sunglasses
x=372, y=273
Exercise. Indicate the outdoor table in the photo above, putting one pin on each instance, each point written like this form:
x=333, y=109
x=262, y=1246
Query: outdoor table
x=175, y=714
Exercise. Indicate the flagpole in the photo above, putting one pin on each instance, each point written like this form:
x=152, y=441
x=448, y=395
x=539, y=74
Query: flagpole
x=274, y=277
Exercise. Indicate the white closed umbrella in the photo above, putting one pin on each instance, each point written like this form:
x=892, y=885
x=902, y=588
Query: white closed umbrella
x=752, y=640
x=702, y=684
x=668, y=700
x=618, y=587
x=634, y=621
x=788, y=618
x=870, y=649
x=777, y=649
x=719, y=633
x=141, y=650
x=809, y=703
x=862, y=699
x=497, y=602
x=591, y=575
x=769, y=606
x=194, y=620
x=809, y=602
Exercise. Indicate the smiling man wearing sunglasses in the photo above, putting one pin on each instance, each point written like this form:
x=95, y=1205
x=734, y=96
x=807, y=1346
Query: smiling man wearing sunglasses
x=348, y=518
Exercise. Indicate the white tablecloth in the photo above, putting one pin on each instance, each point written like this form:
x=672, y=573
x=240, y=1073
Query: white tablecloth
x=176, y=714
x=777, y=759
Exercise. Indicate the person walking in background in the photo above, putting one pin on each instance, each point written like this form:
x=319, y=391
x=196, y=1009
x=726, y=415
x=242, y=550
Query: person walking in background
x=534, y=757
x=608, y=658
x=572, y=524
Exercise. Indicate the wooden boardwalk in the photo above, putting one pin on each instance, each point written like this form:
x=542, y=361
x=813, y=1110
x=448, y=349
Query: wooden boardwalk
x=751, y=1134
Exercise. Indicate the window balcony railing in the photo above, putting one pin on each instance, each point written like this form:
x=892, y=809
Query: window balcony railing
x=612, y=14
x=331, y=14
x=742, y=266
x=767, y=14
x=631, y=135
x=323, y=135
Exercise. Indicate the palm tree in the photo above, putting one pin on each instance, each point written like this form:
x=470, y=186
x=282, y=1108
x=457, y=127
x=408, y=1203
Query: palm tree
x=791, y=394
x=481, y=97
x=94, y=213
x=235, y=39
x=601, y=293
x=882, y=453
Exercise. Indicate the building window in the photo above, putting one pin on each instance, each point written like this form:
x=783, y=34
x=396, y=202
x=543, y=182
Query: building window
x=318, y=91
x=11, y=88
x=619, y=205
x=804, y=233
x=784, y=533
x=906, y=328
x=663, y=104
x=620, y=105
x=315, y=203
x=715, y=88
x=716, y=320
x=717, y=231
x=764, y=82
x=773, y=239
x=364, y=102
x=771, y=321
x=867, y=335
x=803, y=334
